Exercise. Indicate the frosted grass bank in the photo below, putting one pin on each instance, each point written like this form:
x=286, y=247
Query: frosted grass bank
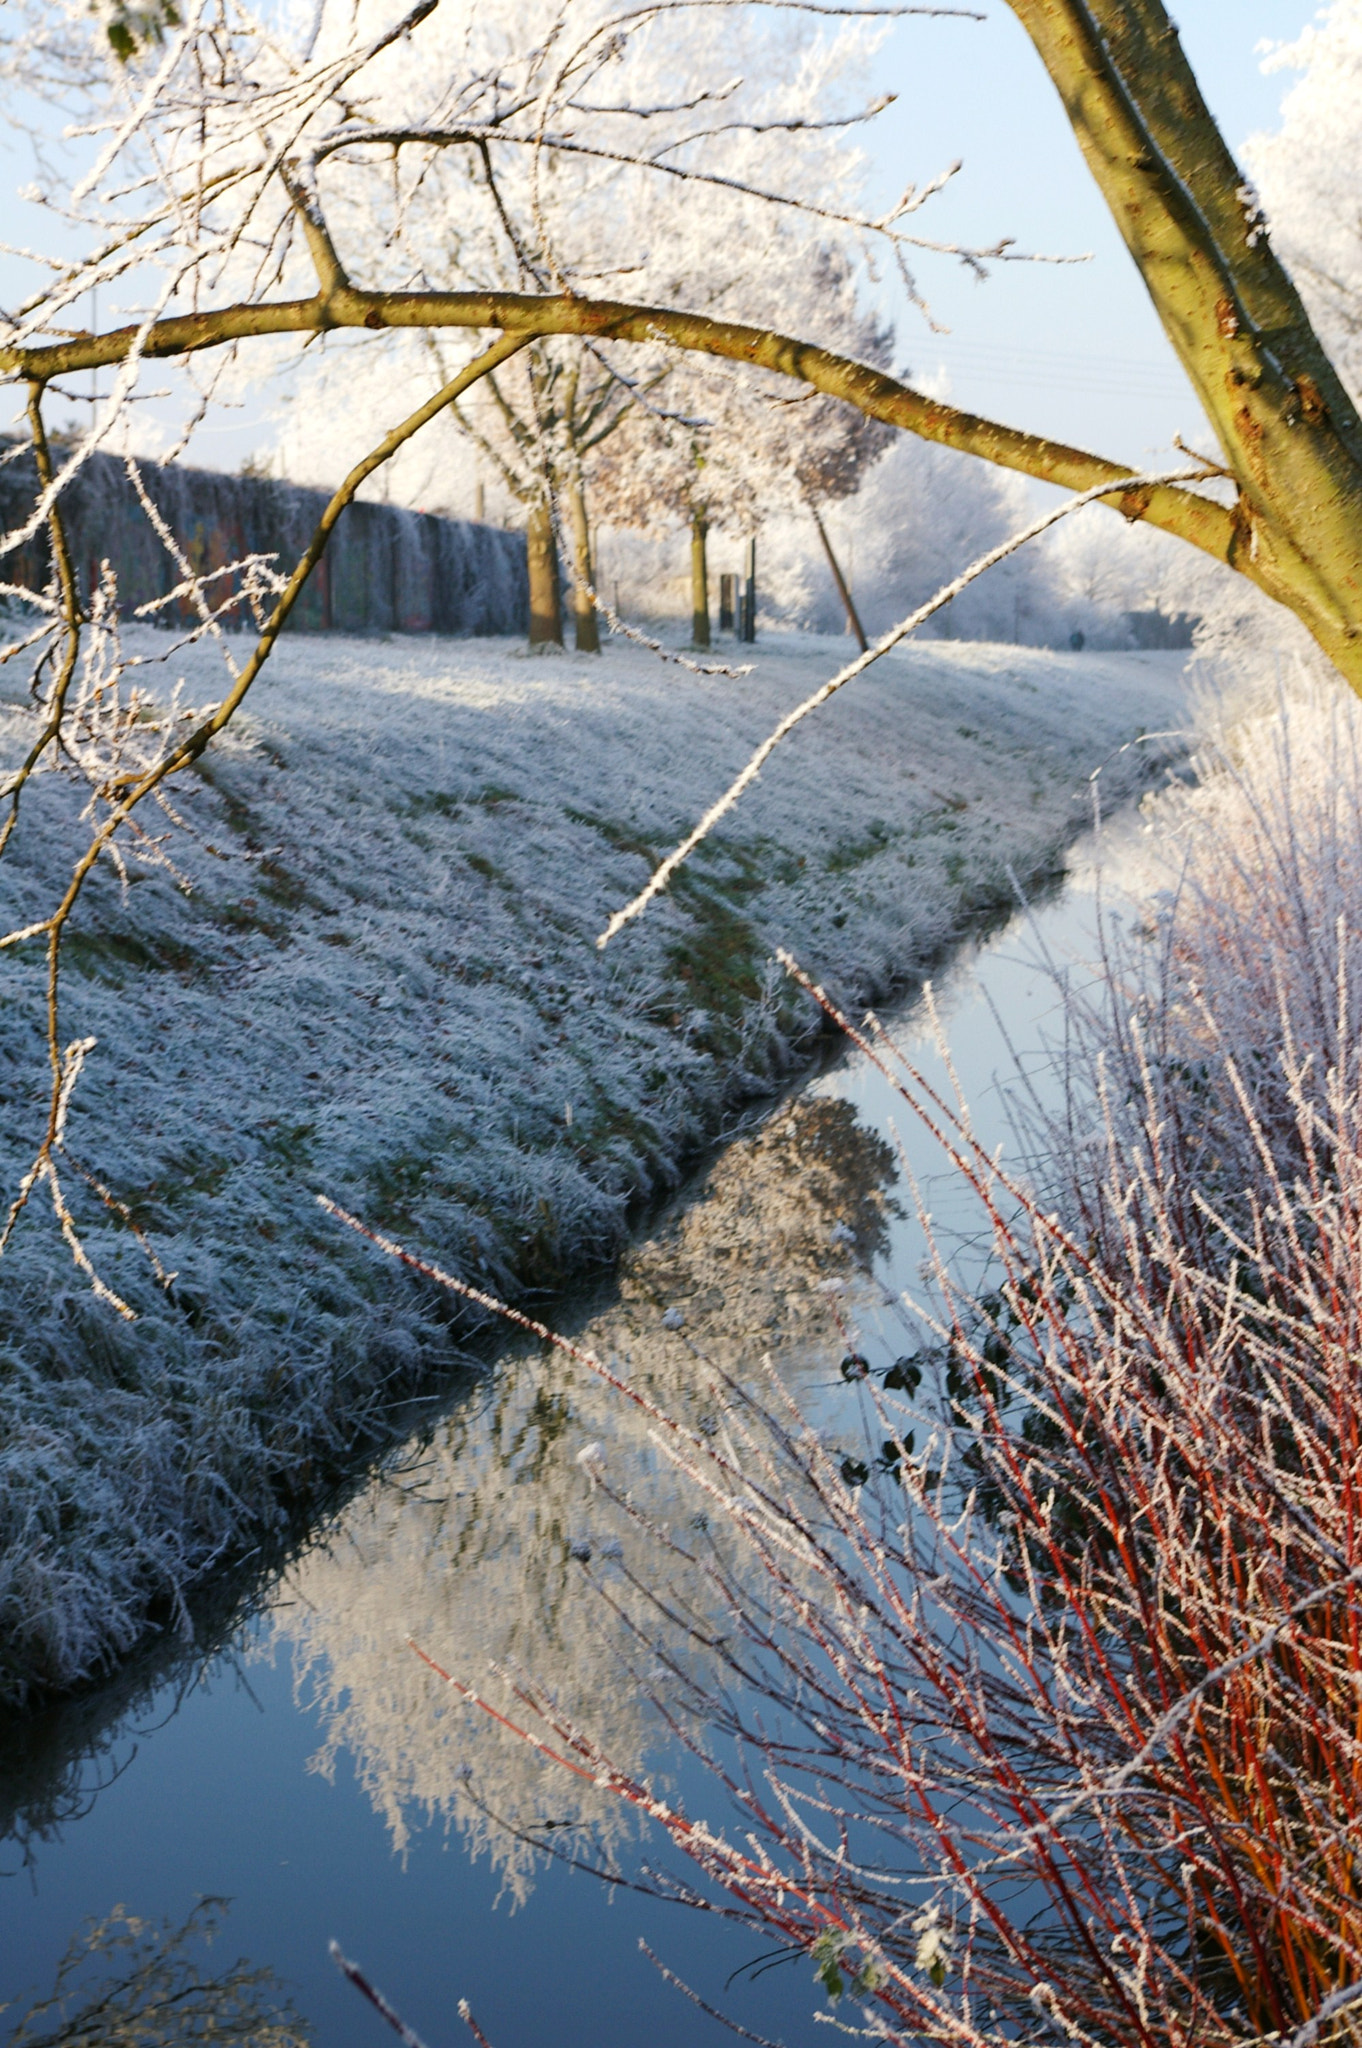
x=292, y=1794
x=381, y=982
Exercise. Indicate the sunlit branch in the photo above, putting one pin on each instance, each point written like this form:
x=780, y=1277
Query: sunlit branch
x=124, y=794
x=1205, y=524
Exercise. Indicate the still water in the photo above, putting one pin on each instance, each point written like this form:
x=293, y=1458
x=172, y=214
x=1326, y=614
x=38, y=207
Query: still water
x=317, y=1780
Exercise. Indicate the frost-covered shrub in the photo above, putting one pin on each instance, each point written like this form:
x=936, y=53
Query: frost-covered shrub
x=1046, y=1704
x=1239, y=998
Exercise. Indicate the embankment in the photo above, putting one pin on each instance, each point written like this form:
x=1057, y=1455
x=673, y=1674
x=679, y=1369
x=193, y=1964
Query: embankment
x=381, y=983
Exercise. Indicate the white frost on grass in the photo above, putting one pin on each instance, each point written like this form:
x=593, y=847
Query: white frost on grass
x=384, y=985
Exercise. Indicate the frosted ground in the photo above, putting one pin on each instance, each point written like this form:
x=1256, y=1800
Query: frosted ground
x=381, y=982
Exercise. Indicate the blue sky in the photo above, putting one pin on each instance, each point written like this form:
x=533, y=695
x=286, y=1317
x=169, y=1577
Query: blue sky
x=1076, y=353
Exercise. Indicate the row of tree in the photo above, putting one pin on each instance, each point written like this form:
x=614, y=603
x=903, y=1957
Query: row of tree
x=579, y=437
x=577, y=441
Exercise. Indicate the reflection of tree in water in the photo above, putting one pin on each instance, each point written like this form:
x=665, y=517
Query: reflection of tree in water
x=470, y=1550
x=126, y=1983
x=57, y=1757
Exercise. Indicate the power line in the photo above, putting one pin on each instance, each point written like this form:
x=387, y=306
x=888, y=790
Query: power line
x=1062, y=370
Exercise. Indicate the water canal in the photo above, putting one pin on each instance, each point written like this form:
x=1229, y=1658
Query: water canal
x=314, y=1777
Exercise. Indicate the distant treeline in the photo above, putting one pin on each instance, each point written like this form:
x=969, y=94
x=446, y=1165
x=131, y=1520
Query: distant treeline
x=1163, y=629
x=385, y=570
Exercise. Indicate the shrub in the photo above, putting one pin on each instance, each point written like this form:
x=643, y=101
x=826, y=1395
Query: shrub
x=1042, y=1716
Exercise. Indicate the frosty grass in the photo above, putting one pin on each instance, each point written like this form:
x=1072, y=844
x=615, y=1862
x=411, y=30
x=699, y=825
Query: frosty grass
x=382, y=984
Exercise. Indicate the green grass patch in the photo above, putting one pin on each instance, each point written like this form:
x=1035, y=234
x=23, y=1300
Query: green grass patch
x=445, y=803
x=396, y=1183
x=244, y=914
x=853, y=853
x=440, y=803
x=718, y=962
x=112, y=956
x=943, y=819
x=288, y=1145
x=736, y=869
x=283, y=887
x=623, y=838
x=159, y=1204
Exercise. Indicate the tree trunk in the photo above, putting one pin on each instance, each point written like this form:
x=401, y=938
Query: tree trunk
x=699, y=580
x=1291, y=436
x=586, y=627
x=546, y=610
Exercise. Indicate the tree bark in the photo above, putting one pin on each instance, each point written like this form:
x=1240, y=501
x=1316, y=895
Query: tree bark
x=699, y=580
x=1290, y=435
x=546, y=608
x=586, y=628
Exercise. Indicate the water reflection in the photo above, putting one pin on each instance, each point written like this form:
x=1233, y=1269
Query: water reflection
x=129, y=1983
x=468, y=1548
x=57, y=1759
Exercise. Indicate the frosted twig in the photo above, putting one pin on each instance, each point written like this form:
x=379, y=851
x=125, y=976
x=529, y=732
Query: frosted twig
x=698, y=668
x=662, y=875
x=678, y=1984
x=466, y=2015
x=44, y=1168
x=1336, y=2002
x=974, y=257
x=192, y=583
x=121, y=1210
x=356, y=1976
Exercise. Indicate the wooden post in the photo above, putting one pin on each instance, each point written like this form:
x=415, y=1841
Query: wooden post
x=726, y=603
x=748, y=628
x=853, y=616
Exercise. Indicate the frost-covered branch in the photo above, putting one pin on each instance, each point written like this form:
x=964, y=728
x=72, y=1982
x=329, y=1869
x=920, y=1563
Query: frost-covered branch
x=662, y=874
x=124, y=756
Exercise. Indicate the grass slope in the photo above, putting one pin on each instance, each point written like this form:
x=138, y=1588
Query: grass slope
x=382, y=983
